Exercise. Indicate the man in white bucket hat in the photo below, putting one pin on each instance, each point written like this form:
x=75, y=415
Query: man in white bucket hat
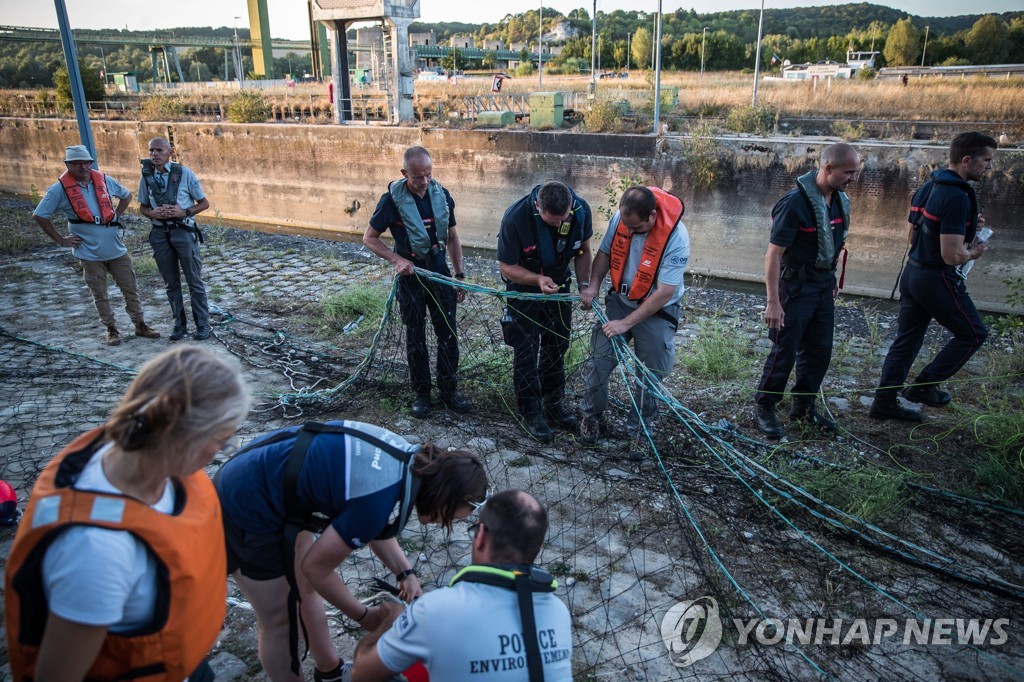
x=86, y=197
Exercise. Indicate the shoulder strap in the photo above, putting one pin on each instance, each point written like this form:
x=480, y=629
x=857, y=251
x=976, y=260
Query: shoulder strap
x=525, y=581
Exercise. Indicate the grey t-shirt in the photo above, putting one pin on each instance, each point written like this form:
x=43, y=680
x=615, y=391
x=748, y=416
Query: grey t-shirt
x=99, y=242
x=474, y=632
x=673, y=261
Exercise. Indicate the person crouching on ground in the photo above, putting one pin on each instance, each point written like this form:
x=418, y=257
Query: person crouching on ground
x=341, y=479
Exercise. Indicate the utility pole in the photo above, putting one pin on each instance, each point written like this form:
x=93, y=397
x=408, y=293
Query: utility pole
x=703, y=44
x=593, y=50
x=757, y=58
x=657, y=73
x=925, y=50
x=540, y=46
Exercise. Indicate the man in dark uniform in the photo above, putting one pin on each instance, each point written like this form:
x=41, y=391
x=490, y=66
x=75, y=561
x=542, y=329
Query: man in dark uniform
x=809, y=226
x=944, y=221
x=540, y=234
x=421, y=216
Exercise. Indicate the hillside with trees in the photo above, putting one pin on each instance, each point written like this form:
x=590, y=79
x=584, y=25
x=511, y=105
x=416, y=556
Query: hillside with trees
x=807, y=34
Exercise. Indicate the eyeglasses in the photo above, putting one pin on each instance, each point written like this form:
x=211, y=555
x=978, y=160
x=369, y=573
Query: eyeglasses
x=472, y=530
x=477, y=506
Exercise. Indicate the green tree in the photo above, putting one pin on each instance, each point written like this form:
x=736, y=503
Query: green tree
x=91, y=83
x=489, y=60
x=641, y=48
x=903, y=46
x=988, y=41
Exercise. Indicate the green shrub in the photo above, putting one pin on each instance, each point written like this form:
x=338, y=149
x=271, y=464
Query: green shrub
x=867, y=73
x=847, y=130
x=524, y=69
x=757, y=120
x=604, y=114
x=249, y=106
x=162, y=108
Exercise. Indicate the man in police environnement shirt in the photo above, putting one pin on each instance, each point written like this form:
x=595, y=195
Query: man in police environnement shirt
x=474, y=629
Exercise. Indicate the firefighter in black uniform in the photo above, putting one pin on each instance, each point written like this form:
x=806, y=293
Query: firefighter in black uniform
x=540, y=234
x=809, y=226
x=944, y=221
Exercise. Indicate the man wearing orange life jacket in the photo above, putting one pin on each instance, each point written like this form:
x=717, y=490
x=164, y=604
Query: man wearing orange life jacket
x=646, y=250
x=86, y=198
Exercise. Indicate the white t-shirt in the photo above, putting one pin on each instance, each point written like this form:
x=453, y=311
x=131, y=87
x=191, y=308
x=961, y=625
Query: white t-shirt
x=474, y=632
x=97, y=576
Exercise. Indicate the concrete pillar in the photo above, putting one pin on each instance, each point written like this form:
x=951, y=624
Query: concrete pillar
x=339, y=70
x=259, y=33
x=402, y=68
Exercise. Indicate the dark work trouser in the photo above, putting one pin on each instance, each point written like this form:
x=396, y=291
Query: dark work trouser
x=176, y=252
x=805, y=340
x=927, y=294
x=417, y=297
x=540, y=339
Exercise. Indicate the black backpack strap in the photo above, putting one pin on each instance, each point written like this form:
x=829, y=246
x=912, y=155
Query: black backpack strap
x=524, y=595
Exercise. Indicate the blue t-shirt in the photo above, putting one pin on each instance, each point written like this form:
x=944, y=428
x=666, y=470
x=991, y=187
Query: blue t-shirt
x=345, y=477
x=947, y=210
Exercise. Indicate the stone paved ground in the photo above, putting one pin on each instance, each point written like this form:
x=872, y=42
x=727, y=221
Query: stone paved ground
x=621, y=541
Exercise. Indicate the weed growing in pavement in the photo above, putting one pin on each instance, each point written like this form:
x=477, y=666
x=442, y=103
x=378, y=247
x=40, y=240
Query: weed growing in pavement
x=33, y=194
x=870, y=493
x=702, y=154
x=18, y=232
x=1012, y=322
x=720, y=352
x=847, y=130
x=340, y=309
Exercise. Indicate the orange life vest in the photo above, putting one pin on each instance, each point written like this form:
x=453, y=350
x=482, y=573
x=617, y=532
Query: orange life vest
x=81, y=206
x=191, y=571
x=669, y=209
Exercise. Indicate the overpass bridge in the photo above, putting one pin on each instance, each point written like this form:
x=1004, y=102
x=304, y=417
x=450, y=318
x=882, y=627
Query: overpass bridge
x=89, y=37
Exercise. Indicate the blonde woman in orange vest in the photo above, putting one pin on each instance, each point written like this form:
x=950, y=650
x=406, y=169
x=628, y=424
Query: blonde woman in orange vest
x=117, y=570
x=85, y=196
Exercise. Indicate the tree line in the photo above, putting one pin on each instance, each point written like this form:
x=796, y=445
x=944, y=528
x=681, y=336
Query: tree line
x=625, y=39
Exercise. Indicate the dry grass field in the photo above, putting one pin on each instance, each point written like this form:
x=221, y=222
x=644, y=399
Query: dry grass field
x=717, y=94
x=973, y=99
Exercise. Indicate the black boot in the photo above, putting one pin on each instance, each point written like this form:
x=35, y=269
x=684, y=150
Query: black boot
x=537, y=426
x=807, y=413
x=882, y=408
x=767, y=422
x=558, y=416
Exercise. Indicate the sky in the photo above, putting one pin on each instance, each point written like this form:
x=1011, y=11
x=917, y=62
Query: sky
x=289, y=18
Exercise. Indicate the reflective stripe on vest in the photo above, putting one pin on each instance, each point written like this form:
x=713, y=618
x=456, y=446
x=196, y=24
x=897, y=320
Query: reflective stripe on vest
x=191, y=566
x=81, y=207
x=669, y=209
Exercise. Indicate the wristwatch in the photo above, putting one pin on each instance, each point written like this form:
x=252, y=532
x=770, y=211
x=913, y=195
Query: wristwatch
x=460, y=275
x=188, y=212
x=405, y=574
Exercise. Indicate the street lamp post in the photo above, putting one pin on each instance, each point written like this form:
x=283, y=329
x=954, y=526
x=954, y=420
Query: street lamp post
x=703, y=43
x=925, y=50
x=540, y=46
x=238, y=55
x=593, y=52
x=657, y=72
x=757, y=58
